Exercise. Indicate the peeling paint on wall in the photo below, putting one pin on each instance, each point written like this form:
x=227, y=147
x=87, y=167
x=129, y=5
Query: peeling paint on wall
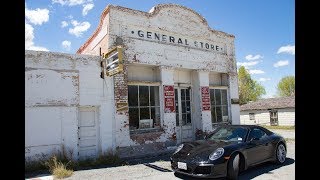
x=121, y=22
x=49, y=87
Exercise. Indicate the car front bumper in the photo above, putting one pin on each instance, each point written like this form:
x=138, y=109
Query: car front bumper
x=205, y=170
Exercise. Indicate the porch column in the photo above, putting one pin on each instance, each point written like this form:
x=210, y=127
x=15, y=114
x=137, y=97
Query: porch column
x=201, y=93
x=167, y=104
x=234, y=96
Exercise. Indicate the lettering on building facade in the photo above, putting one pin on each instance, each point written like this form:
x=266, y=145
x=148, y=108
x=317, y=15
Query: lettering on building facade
x=172, y=39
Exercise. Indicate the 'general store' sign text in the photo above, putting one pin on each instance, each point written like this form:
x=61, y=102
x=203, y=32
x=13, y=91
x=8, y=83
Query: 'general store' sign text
x=217, y=47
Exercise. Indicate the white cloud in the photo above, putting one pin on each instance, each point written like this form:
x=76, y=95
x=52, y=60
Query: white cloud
x=264, y=79
x=247, y=64
x=79, y=28
x=37, y=16
x=281, y=63
x=87, y=8
x=64, y=24
x=287, y=49
x=250, y=57
x=29, y=36
x=66, y=45
x=70, y=2
x=256, y=71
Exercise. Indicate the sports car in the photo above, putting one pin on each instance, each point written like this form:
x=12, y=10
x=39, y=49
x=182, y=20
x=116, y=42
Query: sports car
x=227, y=151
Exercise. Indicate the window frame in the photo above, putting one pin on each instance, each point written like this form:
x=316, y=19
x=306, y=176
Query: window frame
x=178, y=100
x=252, y=115
x=227, y=105
x=138, y=84
x=272, y=114
x=248, y=140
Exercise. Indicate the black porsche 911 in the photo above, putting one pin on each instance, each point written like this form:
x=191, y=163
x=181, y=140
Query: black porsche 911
x=228, y=150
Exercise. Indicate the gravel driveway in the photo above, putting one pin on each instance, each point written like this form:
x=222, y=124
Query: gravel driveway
x=285, y=133
x=159, y=168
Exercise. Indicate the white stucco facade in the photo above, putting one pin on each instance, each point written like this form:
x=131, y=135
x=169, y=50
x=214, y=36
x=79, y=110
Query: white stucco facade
x=169, y=46
x=57, y=85
x=286, y=117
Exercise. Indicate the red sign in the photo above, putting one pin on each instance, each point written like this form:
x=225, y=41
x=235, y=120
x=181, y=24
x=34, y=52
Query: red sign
x=205, y=94
x=169, y=105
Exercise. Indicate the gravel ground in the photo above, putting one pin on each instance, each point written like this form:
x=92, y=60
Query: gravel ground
x=285, y=133
x=159, y=168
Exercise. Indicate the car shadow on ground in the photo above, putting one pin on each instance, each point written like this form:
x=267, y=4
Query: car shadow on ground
x=158, y=167
x=263, y=169
x=165, y=157
x=251, y=172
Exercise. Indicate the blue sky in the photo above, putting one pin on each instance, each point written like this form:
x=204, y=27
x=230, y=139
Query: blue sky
x=264, y=30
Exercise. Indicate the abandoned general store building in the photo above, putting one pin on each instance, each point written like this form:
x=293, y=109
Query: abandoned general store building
x=179, y=78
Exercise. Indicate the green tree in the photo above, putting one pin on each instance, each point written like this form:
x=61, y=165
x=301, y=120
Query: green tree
x=286, y=86
x=249, y=89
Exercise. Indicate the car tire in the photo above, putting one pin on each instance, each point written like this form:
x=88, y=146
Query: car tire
x=281, y=154
x=233, y=167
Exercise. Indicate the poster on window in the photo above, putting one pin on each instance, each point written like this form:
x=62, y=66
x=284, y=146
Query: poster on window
x=168, y=99
x=205, y=94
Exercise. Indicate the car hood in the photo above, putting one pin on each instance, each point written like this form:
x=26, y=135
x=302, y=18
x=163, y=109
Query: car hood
x=199, y=150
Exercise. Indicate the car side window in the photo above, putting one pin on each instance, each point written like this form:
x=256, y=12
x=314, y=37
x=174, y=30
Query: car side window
x=256, y=133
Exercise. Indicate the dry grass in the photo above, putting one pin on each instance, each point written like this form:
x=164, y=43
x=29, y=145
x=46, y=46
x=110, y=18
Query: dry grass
x=61, y=165
x=57, y=168
x=280, y=127
x=108, y=158
x=290, y=140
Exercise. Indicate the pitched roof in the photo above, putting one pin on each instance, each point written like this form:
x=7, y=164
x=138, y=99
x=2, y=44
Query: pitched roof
x=270, y=103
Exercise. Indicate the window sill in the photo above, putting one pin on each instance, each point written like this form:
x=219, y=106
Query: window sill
x=149, y=130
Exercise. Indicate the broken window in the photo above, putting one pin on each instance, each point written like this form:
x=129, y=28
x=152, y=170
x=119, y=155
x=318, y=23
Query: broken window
x=144, y=107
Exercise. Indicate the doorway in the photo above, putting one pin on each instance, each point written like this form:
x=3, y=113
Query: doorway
x=274, y=118
x=88, y=133
x=183, y=114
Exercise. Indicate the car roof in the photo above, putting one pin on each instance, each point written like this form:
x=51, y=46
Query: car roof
x=239, y=125
x=246, y=126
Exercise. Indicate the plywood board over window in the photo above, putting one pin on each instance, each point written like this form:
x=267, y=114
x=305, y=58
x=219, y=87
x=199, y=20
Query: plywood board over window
x=143, y=73
x=218, y=79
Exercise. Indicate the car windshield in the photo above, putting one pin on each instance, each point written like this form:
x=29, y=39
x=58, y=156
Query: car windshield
x=229, y=134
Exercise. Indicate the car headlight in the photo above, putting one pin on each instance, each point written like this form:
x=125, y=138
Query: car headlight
x=178, y=148
x=216, y=154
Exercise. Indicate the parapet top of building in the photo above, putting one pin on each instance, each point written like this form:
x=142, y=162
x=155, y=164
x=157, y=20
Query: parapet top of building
x=270, y=103
x=152, y=13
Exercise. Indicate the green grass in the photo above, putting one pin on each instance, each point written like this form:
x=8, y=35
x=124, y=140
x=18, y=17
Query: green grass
x=280, y=127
